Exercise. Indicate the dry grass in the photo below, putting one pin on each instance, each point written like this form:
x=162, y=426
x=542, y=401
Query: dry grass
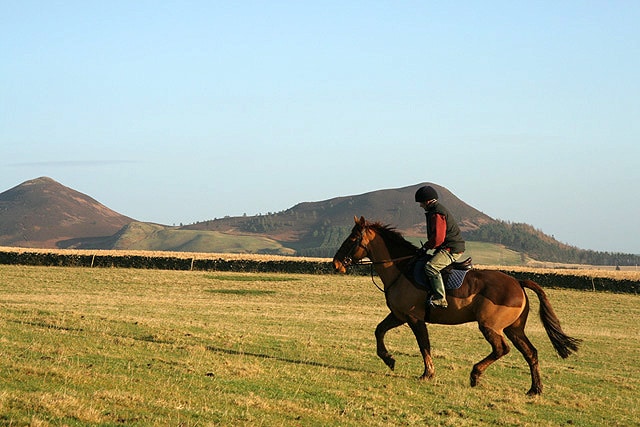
x=110, y=346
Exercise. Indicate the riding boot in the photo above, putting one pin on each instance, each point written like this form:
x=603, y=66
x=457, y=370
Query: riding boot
x=439, y=298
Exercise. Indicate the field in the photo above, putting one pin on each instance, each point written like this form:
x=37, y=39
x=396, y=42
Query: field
x=82, y=346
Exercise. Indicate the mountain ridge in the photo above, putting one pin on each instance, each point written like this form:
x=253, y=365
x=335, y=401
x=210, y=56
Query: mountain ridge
x=391, y=206
x=45, y=214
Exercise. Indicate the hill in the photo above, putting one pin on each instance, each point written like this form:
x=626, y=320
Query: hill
x=534, y=243
x=146, y=236
x=392, y=206
x=42, y=212
x=311, y=226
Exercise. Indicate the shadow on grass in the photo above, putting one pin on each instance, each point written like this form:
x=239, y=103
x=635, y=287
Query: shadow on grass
x=241, y=291
x=286, y=360
x=45, y=325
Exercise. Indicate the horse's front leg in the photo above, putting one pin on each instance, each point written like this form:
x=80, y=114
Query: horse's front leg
x=419, y=329
x=388, y=323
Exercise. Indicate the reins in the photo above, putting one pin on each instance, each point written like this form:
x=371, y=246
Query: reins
x=347, y=261
x=392, y=260
x=372, y=263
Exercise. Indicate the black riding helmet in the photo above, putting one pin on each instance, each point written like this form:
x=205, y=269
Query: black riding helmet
x=426, y=193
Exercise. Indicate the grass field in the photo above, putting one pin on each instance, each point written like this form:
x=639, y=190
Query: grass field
x=147, y=347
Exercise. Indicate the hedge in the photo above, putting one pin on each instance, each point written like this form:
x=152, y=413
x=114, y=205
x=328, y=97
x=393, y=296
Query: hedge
x=554, y=280
x=546, y=279
x=48, y=259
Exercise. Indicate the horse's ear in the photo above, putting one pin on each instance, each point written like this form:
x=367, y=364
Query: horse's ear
x=360, y=221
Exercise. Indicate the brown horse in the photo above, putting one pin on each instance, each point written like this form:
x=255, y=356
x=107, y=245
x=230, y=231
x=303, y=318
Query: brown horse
x=494, y=299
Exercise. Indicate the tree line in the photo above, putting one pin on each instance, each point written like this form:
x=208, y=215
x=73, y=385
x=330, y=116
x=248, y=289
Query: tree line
x=524, y=238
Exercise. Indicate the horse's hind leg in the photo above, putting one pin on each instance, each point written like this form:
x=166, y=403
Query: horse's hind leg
x=388, y=323
x=499, y=348
x=519, y=339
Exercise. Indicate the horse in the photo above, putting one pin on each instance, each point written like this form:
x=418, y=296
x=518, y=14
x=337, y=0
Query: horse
x=493, y=299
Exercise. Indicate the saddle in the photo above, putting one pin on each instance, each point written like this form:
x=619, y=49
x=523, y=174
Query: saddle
x=459, y=265
x=452, y=275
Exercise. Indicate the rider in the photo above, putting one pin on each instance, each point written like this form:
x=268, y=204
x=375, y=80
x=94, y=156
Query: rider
x=444, y=238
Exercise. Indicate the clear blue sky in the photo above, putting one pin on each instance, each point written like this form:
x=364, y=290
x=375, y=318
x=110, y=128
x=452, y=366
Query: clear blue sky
x=176, y=112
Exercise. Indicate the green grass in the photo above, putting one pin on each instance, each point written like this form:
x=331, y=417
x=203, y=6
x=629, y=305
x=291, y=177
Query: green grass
x=154, y=237
x=492, y=254
x=146, y=347
x=488, y=253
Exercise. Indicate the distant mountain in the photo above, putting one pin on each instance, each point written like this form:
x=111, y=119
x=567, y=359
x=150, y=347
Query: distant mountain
x=42, y=212
x=394, y=206
x=45, y=214
x=314, y=228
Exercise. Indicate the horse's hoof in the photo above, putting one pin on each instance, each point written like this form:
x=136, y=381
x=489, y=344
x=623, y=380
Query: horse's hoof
x=390, y=362
x=475, y=375
x=425, y=377
x=534, y=391
x=474, y=381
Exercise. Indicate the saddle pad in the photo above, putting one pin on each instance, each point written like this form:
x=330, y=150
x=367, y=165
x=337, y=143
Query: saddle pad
x=454, y=281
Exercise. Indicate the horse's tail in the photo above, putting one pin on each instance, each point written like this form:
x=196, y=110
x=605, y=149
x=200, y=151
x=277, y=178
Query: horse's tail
x=563, y=343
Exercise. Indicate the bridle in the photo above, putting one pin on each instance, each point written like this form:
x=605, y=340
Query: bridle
x=347, y=261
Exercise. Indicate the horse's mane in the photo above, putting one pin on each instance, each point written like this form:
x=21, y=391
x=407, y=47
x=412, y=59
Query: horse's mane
x=391, y=235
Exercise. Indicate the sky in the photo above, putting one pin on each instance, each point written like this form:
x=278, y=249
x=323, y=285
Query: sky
x=184, y=111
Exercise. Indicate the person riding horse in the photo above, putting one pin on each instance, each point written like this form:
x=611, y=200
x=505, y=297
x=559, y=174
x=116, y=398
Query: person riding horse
x=444, y=238
x=495, y=300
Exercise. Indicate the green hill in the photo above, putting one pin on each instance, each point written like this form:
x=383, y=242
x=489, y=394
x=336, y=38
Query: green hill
x=526, y=239
x=317, y=228
x=155, y=237
x=393, y=206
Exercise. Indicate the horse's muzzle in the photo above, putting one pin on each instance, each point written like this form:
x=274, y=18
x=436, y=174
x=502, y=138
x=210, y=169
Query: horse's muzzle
x=339, y=266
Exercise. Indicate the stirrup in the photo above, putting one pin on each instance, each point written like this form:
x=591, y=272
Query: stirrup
x=438, y=303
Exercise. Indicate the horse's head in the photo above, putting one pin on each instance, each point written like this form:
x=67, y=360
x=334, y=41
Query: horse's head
x=354, y=248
